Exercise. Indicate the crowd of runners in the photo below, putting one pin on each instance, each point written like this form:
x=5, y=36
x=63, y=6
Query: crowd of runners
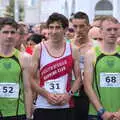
x=64, y=69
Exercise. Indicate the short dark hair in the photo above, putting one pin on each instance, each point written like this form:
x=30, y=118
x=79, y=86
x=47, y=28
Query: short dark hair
x=36, y=38
x=8, y=21
x=81, y=15
x=57, y=17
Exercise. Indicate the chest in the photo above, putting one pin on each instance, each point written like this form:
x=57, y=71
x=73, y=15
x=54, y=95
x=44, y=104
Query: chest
x=108, y=63
x=9, y=67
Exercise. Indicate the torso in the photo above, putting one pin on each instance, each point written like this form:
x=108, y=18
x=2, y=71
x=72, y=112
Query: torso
x=10, y=84
x=107, y=80
x=82, y=50
x=55, y=74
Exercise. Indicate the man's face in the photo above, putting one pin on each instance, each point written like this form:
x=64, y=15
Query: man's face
x=70, y=33
x=7, y=35
x=95, y=34
x=109, y=31
x=45, y=32
x=56, y=30
x=36, y=29
x=96, y=23
x=81, y=28
x=119, y=29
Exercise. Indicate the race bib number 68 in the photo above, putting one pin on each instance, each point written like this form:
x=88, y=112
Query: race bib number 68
x=109, y=79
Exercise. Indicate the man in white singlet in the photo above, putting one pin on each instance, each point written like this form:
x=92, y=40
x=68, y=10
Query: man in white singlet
x=54, y=60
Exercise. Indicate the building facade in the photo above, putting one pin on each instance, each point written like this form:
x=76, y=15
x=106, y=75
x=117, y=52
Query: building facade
x=37, y=11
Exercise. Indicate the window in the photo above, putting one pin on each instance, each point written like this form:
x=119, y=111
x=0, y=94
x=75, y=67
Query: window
x=31, y=3
x=103, y=7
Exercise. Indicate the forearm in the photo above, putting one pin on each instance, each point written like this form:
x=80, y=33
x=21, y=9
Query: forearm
x=93, y=98
x=38, y=89
x=76, y=85
x=28, y=103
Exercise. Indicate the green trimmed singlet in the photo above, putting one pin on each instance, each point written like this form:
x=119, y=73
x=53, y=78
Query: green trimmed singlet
x=11, y=86
x=106, y=81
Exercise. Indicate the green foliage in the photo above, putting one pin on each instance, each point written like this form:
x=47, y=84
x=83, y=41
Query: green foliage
x=21, y=10
x=10, y=9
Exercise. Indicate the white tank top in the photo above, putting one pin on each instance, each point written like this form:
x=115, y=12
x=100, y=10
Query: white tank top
x=55, y=75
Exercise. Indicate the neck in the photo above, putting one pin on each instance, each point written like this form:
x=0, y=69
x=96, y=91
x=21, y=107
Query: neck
x=57, y=44
x=109, y=48
x=79, y=42
x=5, y=50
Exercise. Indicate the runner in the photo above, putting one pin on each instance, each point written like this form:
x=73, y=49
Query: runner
x=103, y=62
x=15, y=89
x=57, y=58
x=81, y=26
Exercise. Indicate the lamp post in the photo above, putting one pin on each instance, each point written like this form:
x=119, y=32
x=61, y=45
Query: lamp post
x=66, y=9
x=73, y=7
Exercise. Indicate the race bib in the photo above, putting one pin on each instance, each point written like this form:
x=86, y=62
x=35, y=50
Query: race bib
x=9, y=90
x=55, y=86
x=82, y=66
x=82, y=62
x=109, y=79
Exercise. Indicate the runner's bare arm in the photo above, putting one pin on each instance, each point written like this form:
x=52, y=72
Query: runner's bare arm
x=76, y=69
x=88, y=79
x=26, y=66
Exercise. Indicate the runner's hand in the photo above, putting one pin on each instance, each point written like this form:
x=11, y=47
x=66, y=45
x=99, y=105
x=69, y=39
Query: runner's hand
x=117, y=116
x=63, y=99
x=107, y=116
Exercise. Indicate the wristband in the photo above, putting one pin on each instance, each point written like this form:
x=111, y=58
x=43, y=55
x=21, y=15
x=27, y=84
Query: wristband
x=100, y=112
x=29, y=118
x=70, y=93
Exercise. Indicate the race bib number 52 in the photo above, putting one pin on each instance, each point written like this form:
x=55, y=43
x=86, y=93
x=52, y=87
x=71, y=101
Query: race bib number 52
x=9, y=90
x=109, y=79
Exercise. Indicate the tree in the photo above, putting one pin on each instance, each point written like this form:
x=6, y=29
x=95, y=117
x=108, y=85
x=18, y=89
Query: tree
x=10, y=12
x=10, y=9
x=21, y=11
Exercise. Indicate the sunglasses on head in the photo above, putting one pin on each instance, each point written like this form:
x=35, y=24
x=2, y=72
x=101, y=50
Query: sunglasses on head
x=70, y=29
x=97, y=39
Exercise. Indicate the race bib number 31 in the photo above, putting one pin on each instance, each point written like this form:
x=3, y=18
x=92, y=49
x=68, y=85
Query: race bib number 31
x=109, y=79
x=9, y=90
x=55, y=86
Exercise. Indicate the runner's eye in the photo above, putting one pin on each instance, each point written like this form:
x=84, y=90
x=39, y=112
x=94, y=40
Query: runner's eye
x=7, y=32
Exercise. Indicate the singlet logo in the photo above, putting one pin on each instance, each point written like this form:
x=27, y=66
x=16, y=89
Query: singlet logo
x=110, y=62
x=7, y=65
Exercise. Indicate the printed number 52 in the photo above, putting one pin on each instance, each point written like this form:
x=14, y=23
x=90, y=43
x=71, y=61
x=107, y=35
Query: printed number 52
x=7, y=89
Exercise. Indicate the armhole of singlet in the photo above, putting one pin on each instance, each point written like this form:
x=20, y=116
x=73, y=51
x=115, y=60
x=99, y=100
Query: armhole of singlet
x=17, y=55
x=95, y=57
x=71, y=52
x=40, y=52
x=71, y=49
